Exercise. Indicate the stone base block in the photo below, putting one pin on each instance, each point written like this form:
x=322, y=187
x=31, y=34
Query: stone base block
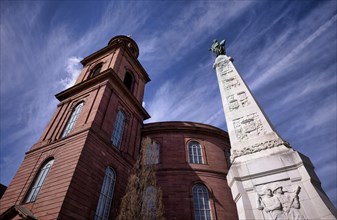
x=279, y=186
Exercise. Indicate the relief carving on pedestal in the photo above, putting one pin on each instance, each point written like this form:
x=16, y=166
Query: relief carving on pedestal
x=236, y=101
x=279, y=203
x=258, y=147
x=248, y=126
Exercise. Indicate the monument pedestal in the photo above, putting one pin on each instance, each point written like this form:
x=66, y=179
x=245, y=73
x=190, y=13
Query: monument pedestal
x=289, y=171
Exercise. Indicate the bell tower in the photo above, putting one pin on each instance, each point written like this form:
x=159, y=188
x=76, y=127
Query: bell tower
x=91, y=141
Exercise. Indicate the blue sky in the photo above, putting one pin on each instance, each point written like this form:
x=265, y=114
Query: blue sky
x=285, y=51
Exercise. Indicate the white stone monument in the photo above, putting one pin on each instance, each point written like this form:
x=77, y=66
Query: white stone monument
x=268, y=179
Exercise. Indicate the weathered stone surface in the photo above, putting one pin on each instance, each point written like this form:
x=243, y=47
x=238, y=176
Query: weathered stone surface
x=248, y=127
x=268, y=179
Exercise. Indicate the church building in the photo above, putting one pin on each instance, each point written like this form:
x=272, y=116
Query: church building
x=79, y=167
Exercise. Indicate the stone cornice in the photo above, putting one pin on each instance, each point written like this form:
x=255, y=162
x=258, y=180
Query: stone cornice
x=109, y=75
x=183, y=126
x=111, y=47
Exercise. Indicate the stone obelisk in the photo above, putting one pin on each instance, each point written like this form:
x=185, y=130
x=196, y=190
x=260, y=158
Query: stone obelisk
x=268, y=179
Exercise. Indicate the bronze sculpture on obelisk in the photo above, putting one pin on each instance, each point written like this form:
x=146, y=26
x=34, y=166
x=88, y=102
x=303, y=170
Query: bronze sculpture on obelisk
x=268, y=179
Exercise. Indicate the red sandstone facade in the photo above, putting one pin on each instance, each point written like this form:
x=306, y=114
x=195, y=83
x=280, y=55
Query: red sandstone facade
x=176, y=175
x=71, y=189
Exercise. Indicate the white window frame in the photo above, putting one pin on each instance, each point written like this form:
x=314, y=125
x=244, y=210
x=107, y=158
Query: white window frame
x=195, y=152
x=39, y=180
x=106, y=195
x=72, y=120
x=201, y=202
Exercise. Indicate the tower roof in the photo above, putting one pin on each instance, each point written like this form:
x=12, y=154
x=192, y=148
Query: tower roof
x=128, y=41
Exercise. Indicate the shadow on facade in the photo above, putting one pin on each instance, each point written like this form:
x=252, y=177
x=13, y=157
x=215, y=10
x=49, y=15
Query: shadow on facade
x=178, y=173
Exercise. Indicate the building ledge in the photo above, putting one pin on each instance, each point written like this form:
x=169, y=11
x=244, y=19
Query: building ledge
x=17, y=210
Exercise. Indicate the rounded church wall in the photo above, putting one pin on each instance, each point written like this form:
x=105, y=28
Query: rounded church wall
x=192, y=153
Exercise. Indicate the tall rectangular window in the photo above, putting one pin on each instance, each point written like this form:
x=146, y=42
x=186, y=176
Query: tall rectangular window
x=117, y=133
x=38, y=183
x=72, y=120
x=105, y=198
x=202, y=209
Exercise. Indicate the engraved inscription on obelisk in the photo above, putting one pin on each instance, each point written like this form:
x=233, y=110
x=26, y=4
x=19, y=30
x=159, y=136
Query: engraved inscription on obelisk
x=248, y=127
x=268, y=179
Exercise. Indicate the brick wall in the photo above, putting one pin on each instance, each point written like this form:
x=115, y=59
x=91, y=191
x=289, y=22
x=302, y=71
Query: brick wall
x=176, y=176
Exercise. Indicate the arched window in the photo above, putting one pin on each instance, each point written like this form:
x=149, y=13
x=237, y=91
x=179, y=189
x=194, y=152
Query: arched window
x=202, y=210
x=117, y=133
x=105, y=198
x=39, y=180
x=96, y=70
x=152, y=153
x=195, y=152
x=72, y=120
x=128, y=80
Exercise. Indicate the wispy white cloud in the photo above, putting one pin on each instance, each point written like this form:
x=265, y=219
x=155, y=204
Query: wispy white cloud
x=11, y=38
x=289, y=52
x=188, y=98
x=73, y=69
x=326, y=113
x=307, y=85
x=278, y=69
x=191, y=98
x=268, y=49
x=187, y=31
x=48, y=63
